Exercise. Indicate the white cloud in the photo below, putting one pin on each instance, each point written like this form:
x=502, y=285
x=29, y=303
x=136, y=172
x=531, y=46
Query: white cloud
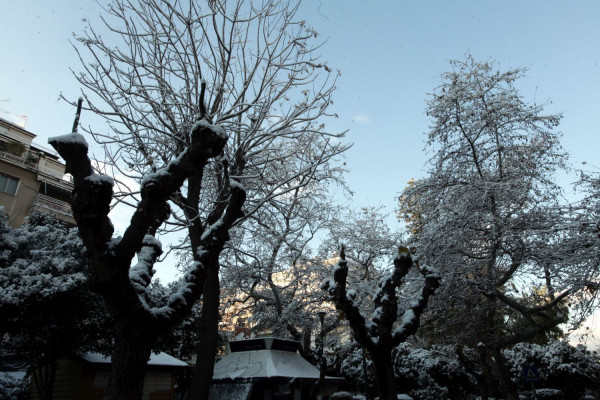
x=361, y=119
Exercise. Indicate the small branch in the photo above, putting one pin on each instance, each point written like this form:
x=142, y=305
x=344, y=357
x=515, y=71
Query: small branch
x=77, y=115
x=203, y=113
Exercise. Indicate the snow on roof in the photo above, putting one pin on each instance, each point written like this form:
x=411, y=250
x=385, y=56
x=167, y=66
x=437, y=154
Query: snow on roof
x=45, y=149
x=155, y=359
x=264, y=364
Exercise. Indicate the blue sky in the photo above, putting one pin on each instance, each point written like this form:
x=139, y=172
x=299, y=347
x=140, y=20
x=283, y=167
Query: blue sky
x=390, y=54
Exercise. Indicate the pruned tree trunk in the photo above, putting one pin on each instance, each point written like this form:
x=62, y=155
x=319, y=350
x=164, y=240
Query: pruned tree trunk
x=131, y=353
x=162, y=132
x=384, y=375
x=44, y=377
x=123, y=285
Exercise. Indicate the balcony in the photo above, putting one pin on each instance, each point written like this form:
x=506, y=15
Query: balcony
x=60, y=209
x=18, y=160
x=26, y=161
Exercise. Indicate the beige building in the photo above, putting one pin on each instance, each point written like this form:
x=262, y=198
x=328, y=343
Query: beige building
x=32, y=177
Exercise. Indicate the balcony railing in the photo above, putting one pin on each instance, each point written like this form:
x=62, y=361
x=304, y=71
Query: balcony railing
x=50, y=203
x=18, y=160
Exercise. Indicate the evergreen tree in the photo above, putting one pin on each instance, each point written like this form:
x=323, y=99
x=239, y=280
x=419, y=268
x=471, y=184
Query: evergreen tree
x=47, y=310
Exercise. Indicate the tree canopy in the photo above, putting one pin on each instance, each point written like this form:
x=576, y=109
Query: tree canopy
x=488, y=214
x=47, y=309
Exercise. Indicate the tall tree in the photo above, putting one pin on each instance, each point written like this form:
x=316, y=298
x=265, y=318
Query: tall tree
x=488, y=213
x=583, y=243
x=211, y=108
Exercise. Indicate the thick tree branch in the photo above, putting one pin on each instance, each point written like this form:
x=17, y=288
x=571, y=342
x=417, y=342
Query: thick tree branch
x=412, y=317
x=345, y=303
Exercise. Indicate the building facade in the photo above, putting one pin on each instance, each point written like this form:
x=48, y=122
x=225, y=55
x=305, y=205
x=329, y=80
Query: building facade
x=32, y=177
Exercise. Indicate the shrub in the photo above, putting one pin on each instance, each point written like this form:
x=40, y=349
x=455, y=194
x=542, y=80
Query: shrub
x=11, y=387
x=573, y=370
x=431, y=374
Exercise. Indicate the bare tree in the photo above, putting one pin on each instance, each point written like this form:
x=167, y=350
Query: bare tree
x=383, y=332
x=271, y=272
x=212, y=109
x=368, y=240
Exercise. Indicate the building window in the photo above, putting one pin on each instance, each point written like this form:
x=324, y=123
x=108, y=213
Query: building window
x=8, y=185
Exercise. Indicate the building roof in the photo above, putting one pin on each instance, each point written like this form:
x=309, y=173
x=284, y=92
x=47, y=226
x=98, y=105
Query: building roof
x=264, y=358
x=17, y=127
x=160, y=359
x=264, y=364
x=47, y=150
x=29, y=141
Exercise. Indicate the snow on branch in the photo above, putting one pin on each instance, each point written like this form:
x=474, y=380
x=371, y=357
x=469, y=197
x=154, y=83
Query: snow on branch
x=92, y=193
x=91, y=199
x=207, y=141
x=336, y=288
x=380, y=332
x=411, y=317
x=141, y=273
x=212, y=242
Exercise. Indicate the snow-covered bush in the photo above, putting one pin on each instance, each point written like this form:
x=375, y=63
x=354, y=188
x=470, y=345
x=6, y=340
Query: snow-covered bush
x=574, y=370
x=346, y=396
x=46, y=309
x=431, y=374
x=351, y=367
x=11, y=388
x=549, y=394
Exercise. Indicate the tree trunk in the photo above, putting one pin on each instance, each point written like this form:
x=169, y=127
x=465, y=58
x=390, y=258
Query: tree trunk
x=483, y=387
x=384, y=374
x=130, y=356
x=509, y=385
x=43, y=377
x=209, y=332
x=488, y=374
x=365, y=374
x=322, y=366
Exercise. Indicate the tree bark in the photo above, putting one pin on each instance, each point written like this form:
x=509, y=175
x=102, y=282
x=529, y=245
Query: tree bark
x=384, y=375
x=131, y=353
x=471, y=369
x=43, y=377
x=503, y=371
x=209, y=332
x=488, y=374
